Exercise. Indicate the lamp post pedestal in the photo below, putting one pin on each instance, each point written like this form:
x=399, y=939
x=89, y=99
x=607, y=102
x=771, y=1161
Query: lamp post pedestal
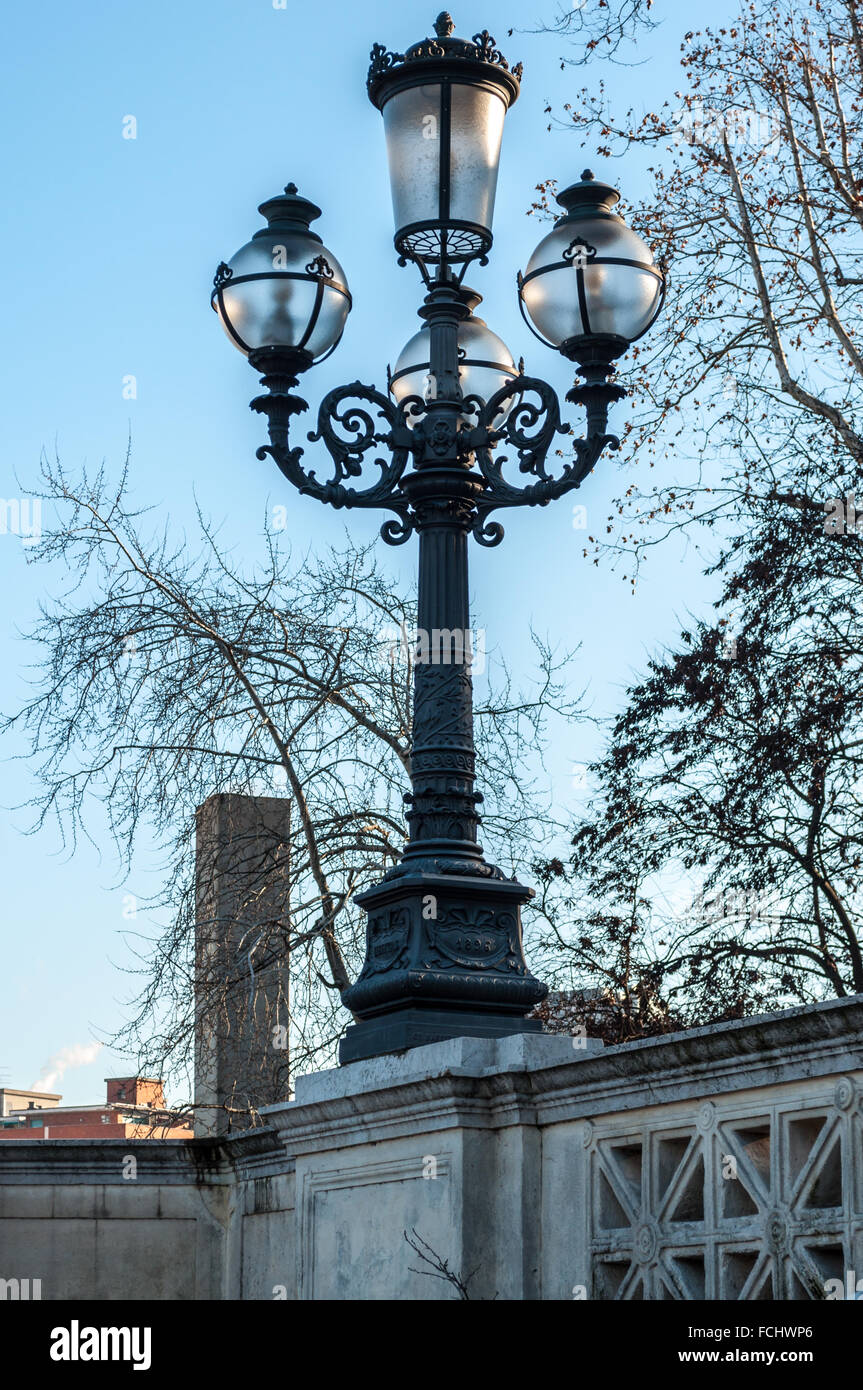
x=444, y=959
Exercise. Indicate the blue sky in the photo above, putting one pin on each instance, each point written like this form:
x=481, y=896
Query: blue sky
x=109, y=246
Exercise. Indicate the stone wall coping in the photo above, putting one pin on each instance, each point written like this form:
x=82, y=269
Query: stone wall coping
x=168, y=1161
x=537, y=1079
x=71, y=1161
x=199, y=1162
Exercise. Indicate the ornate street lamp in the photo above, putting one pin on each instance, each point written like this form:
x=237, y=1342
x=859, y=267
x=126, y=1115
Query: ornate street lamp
x=444, y=953
x=283, y=298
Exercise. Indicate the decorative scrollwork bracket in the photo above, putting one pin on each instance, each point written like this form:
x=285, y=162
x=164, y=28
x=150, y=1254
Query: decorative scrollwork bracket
x=349, y=425
x=530, y=429
x=354, y=421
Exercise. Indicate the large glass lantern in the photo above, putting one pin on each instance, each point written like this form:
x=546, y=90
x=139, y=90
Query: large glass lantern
x=592, y=282
x=484, y=365
x=284, y=291
x=443, y=104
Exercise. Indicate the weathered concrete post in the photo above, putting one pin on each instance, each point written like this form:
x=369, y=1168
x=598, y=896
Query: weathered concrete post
x=241, y=960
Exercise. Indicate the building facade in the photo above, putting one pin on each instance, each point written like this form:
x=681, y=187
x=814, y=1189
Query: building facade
x=134, y=1108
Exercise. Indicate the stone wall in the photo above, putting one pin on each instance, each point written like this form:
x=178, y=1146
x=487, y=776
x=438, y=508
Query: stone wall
x=725, y=1163
x=70, y=1218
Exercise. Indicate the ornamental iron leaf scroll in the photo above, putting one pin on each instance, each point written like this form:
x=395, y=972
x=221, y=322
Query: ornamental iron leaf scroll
x=530, y=430
x=349, y=430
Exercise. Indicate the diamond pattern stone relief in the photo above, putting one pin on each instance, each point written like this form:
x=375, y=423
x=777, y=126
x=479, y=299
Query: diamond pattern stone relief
x=735, y=1202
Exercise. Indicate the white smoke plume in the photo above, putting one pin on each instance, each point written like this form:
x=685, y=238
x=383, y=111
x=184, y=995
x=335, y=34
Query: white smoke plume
x=78, y=1055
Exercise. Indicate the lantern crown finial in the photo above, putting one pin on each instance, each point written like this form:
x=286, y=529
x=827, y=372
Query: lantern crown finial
x=480, y=54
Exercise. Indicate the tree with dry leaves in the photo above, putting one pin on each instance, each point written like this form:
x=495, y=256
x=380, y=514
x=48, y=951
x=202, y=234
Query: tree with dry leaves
x=719, y=869
x=750, y=383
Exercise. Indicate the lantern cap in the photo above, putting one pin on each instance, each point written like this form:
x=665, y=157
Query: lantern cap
x=589, y=197
x=477, y=59
x=289, y=212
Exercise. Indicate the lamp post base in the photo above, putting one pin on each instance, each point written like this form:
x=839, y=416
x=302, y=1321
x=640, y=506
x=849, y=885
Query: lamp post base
x=414, y=1026
x=444, y=959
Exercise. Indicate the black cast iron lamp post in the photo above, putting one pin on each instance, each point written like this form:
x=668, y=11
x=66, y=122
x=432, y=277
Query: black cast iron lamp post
x=444, y=953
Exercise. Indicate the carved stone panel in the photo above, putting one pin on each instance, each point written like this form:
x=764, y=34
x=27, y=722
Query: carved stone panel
x=742, y=1203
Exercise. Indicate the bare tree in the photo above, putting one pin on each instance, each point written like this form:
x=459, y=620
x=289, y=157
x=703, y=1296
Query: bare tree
x=602, y=28
x=437, y=1267
x=169, y=677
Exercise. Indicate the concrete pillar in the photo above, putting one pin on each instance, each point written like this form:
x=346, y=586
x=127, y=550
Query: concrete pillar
x=241, y=960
